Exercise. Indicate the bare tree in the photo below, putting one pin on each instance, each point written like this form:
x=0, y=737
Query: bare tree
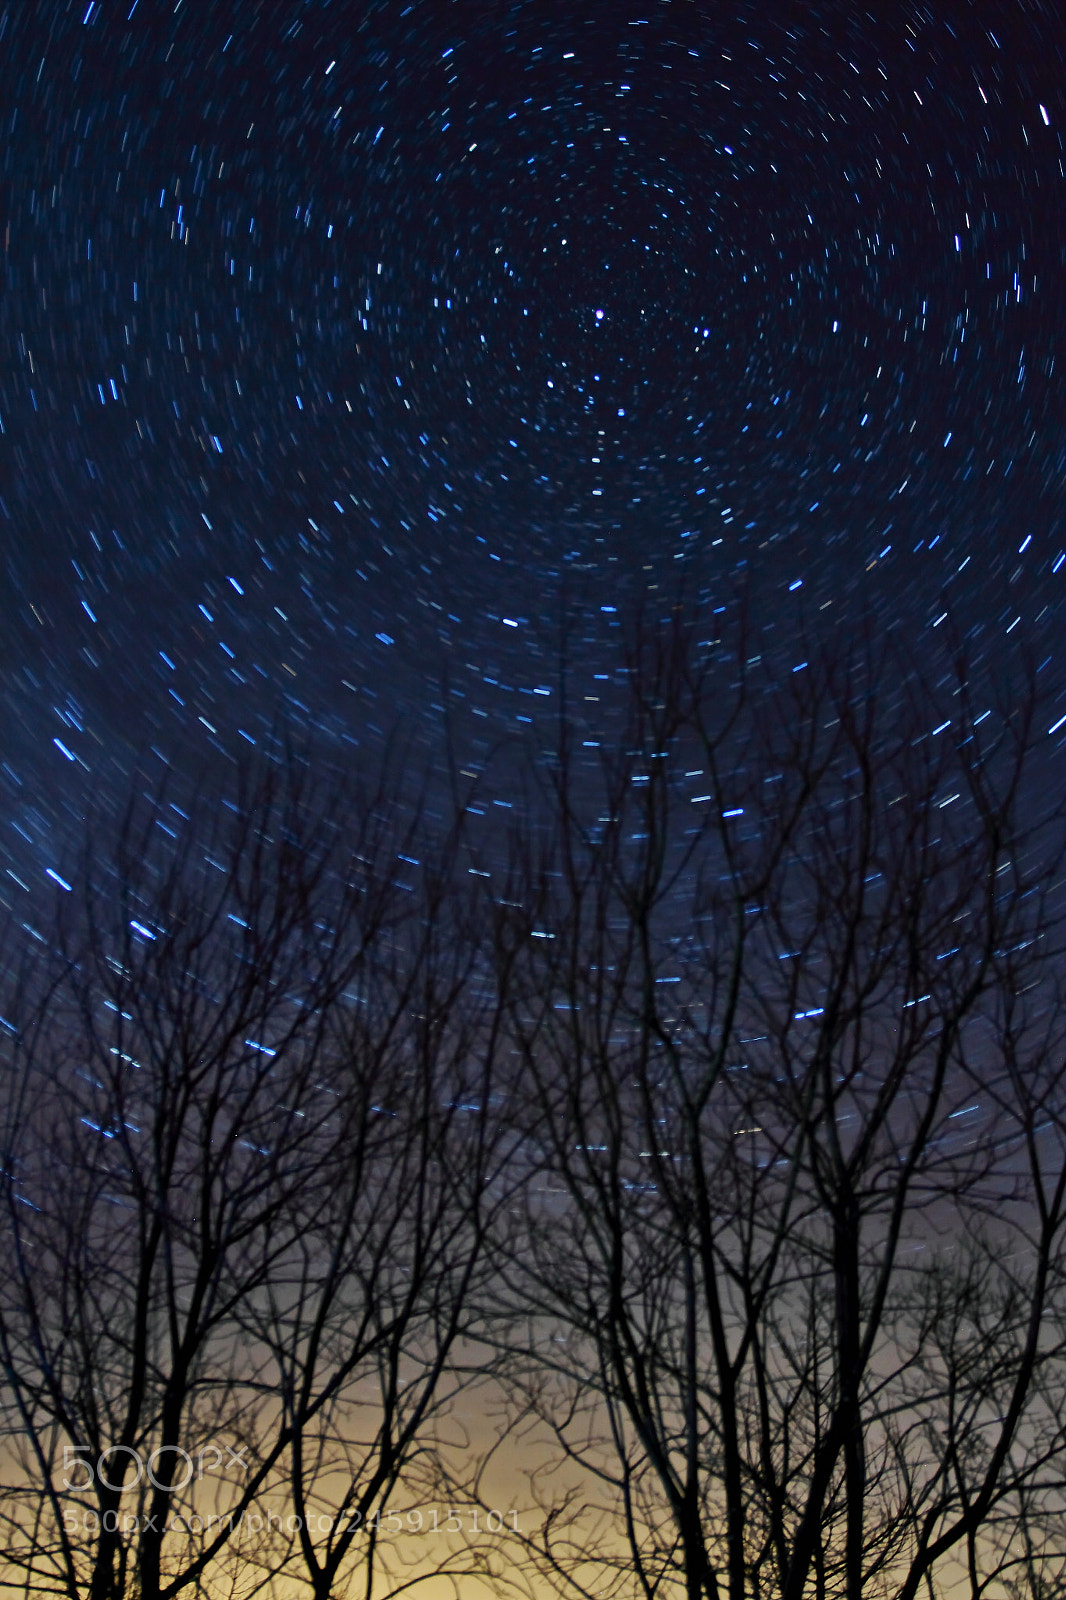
x=785, y=1302
x=366, y=1336
x=245, y=1156
x=711, y=1120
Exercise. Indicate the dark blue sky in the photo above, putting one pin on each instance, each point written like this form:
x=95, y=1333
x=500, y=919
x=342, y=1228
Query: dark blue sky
x=347, y=348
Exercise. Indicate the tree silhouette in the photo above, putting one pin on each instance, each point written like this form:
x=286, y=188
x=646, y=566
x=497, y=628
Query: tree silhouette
x=787, y=1294
x=246, y=1158
x=705, y=1117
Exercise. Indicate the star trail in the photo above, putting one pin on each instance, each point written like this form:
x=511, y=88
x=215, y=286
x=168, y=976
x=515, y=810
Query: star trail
x=351, y=352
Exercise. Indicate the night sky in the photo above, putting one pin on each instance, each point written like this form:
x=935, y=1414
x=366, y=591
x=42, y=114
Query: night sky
x=348, y=350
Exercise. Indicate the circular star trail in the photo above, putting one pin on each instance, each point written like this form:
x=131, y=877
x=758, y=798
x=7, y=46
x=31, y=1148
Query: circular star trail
x=350, y=351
